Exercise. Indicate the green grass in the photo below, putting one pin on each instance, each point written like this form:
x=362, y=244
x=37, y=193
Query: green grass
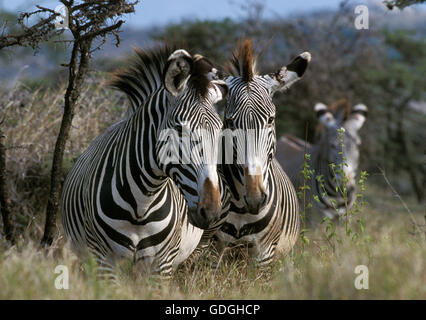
x=392, y=249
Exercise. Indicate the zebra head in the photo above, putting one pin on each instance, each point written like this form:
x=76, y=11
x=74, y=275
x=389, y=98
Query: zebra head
x=188, y=150
x=340, y=116
x=250, y=114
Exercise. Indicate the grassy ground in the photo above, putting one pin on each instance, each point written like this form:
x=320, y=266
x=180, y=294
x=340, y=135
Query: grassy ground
x=392, y=247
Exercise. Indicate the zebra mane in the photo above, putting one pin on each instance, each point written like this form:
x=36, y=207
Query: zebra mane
x=144, y=75
x=340, y=108
x=243, y=62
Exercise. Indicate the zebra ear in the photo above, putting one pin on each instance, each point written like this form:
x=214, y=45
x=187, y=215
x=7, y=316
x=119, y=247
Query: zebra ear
x=286, y=76
x=221, y=89
x=324, y=115
x=177, y=71
x=358, y=116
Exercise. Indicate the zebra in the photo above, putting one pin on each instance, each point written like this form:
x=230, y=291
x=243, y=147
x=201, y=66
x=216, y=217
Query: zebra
x=327, y=150
x=263, y=214
x=125, y=197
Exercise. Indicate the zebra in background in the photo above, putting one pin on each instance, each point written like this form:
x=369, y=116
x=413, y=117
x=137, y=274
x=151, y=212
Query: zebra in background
x=264, y=208
x=326, y=151
x=124, y=198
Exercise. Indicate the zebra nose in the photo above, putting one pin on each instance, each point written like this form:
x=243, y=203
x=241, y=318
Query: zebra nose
x=255, y=204
x=203, y=213
x=203, y=217
x=209, y=214
x=197, y=218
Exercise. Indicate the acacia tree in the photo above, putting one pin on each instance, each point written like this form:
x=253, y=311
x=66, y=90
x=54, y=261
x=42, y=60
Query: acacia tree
x=87, y=21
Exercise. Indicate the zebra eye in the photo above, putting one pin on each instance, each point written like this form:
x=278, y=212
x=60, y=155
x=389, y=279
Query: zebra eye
x=271, y=120
x=270, y=157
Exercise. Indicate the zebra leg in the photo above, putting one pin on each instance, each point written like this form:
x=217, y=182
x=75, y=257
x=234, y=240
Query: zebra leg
x=106, y=268
x=218, y=250
x=166, y=271
x=208, y=251
x=107, y=271
x=204, y=244
x=150, y=270
x=264, y=256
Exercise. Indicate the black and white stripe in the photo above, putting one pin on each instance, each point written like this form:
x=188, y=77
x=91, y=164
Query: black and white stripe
x=121, y=199
x=264, y=208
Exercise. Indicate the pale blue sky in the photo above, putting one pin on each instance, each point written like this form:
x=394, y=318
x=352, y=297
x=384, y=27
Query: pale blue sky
x=158, y=12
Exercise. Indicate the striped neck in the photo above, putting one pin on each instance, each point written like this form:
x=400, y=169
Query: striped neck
x=136, y=158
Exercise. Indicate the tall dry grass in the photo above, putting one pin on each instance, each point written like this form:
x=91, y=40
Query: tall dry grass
x=395, y=257
x=33, y=118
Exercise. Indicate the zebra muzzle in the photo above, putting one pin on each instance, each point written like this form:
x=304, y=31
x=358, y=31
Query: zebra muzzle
x=255, y=197
x=202, y=217
x=209, y=207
